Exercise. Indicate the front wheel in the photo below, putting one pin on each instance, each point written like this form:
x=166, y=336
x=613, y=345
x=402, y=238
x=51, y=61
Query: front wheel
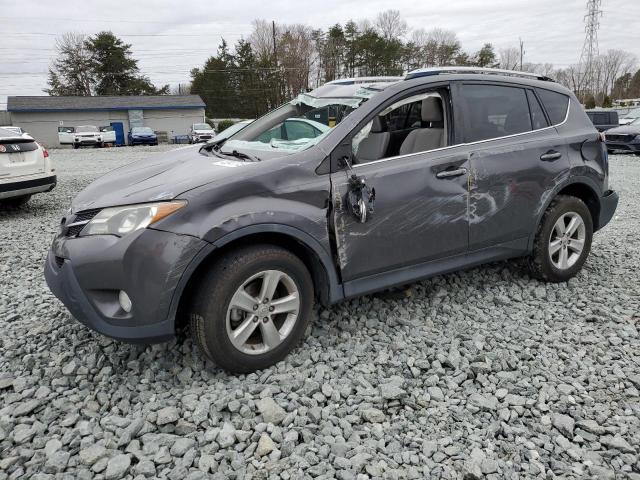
x=252, y=308
x=563, y=240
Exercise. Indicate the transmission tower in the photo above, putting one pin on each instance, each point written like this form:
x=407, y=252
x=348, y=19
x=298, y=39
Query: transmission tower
x=590, y=47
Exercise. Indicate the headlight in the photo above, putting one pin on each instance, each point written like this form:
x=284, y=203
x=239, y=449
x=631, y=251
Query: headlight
x=129, y=218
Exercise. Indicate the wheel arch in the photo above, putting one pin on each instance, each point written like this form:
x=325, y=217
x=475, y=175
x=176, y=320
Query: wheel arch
x=327, y=286
x=584, y=188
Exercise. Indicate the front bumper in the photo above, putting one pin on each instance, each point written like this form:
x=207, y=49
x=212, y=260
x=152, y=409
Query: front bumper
x=87, y=274
x=633, y=146
x=143, y=141
x=27, y=187
x=608, y=205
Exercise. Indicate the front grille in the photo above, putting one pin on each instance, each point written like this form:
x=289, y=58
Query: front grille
x=619, y=137
x=85, y=217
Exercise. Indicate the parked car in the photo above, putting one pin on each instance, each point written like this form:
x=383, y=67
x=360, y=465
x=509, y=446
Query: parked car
x=201, y=132
x=108, y=134
x=603, y=119
x=16, y=130
x=142, y=136
x=399, y=190
x=232, y=130
x=625, y=138
x=86, y=136
x=66, y=135
x=25, y=168
x=630, y=116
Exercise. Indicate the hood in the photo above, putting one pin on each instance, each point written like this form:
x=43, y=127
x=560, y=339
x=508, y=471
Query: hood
x=625, y=130
x=203, y=132
x=162, y=177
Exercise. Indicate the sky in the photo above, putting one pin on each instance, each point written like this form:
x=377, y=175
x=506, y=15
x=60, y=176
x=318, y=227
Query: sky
x=170, y=38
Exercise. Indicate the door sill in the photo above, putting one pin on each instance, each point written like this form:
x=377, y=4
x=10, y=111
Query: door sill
x=412, y=273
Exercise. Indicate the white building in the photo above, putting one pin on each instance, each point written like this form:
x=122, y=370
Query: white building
x=41, y=116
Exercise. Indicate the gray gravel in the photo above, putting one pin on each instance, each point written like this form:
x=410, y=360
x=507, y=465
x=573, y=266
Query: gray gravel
x=484, y=373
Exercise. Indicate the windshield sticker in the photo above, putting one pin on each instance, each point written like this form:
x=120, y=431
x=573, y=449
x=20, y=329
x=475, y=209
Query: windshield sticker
x=229, y=163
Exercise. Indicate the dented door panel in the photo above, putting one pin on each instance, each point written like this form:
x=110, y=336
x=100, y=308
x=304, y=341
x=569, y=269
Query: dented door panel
x=509, y=176
x=417, y=216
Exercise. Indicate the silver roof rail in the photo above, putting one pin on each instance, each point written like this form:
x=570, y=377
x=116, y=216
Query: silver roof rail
x=425, y=72
x=359, y=80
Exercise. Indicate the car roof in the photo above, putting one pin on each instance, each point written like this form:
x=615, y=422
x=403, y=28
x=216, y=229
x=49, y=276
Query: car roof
x=348, y=90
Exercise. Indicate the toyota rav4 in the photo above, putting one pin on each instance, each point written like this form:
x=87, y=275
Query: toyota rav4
x=446, y=169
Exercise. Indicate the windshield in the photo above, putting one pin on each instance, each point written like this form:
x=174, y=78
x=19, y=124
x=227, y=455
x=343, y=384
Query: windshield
x=142, y=130
x=299, y=124
x=86, y=128
x=201, y=126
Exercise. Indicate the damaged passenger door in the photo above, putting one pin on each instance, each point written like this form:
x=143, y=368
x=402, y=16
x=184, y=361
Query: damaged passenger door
x=414, y=202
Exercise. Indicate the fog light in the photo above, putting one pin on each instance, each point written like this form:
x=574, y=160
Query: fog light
x=125, y=301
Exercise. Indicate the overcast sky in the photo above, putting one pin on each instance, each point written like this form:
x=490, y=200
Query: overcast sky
x=170, y=38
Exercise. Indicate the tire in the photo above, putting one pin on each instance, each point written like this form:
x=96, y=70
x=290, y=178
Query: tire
x=15, y=202
x=549, y=268
x=212, y=320
x=76, y=146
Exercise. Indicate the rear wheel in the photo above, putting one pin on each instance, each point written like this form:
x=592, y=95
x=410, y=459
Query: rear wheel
x=563, y=241
x=252, y=308
x=15, y=202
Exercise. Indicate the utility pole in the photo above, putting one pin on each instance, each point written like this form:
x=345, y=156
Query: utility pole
x=275, y=49
x=521, y=53
x=590, y=47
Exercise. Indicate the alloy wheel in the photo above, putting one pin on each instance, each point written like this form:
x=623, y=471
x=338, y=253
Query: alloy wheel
x=262, y=312
x=567, y=240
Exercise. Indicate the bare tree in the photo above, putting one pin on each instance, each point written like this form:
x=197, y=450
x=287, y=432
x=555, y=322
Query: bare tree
x=297, y=50
x=509, y=58
x=70, y=72
x=261, y=38
x=613, y=65
x=390, y=24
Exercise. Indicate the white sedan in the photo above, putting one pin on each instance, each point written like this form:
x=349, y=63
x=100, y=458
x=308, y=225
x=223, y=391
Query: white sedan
x=25, y=168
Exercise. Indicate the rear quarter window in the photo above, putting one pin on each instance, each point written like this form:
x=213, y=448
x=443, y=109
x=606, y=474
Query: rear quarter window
x=555, y=104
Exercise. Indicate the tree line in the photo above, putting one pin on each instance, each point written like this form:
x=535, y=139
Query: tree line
x=278, y=61
x=101, y=64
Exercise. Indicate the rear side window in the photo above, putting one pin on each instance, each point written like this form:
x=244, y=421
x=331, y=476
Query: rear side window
x=537, y=114
x=492, y=111
x=555, y=104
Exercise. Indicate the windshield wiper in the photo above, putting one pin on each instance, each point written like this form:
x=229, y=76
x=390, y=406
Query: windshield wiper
x=244, y=156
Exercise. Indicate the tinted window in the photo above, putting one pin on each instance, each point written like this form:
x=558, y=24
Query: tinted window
x=493, y=111
x=555, y=104
x=537, y=114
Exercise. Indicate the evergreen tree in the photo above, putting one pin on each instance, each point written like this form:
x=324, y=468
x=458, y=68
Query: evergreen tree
x=114, y=70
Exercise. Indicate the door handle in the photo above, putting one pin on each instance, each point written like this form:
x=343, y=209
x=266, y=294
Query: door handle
x=550, y=156
x=451, y=173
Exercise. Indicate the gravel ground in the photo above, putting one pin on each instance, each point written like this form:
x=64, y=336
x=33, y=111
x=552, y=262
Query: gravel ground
x=484, y=373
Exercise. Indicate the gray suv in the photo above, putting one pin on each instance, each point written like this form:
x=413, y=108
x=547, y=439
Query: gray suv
x=446, y=169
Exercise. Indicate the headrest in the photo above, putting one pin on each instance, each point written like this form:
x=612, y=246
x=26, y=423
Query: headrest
x=432, y=110
x=378, y=125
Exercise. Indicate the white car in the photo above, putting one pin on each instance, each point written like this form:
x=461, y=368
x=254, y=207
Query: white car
x=83, y=136
x=25, y=168
x=630, y=116
x=16, y=130
x=201, y=132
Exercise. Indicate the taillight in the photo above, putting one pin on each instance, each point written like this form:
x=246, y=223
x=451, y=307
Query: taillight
x=45, y=153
